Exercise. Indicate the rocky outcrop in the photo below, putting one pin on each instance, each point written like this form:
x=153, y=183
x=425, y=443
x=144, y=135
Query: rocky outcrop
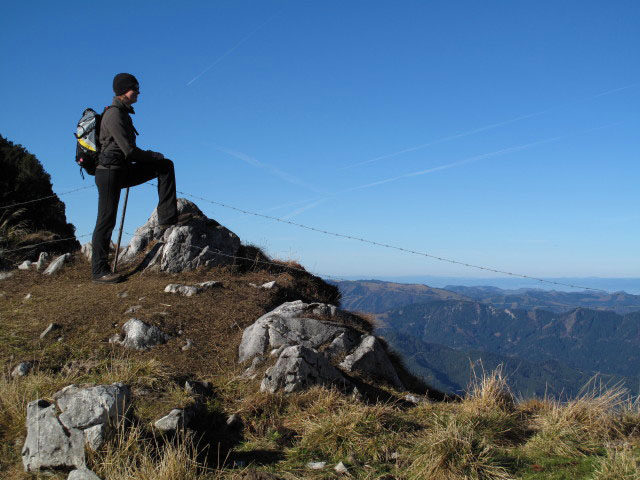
x=371, y=359
x=57, y=440
x=306, y=347
x=288, y=325
x=139, y=335
x=299, y=368
x=200, y=242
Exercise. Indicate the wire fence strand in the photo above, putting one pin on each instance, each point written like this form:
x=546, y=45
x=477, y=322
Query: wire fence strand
x=4, y=207
x=385, y=245
x=324, y=232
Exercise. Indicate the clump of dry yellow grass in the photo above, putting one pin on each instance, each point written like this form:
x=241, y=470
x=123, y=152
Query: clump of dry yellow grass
x=618, y=464
x=134, y=455
x=580, y=426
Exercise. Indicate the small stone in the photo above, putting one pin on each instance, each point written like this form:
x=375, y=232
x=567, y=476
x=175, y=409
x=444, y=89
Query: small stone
x=123, y=294
x=210, y=284
x=268, y=285
x=5, y=275
x=82, y=474
x=188, y=345
x=57, y=264
x=177, y=419
x=133, y=309
x=59, y=339
x=141, y=298
x=49, y=329
x=22, y=369
x=414, y=399
x=27, y=296
x=180, y=332
x=26, y=265
x=233, y=421
x=203, y=389
x=341, y=468
x=316, y=465
x=186, y=290
x=42, y=260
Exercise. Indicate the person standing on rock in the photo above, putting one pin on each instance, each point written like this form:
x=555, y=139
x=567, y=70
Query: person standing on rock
x=122, y=164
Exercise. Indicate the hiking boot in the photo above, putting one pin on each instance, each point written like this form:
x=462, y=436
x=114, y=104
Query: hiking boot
x=182, y=219
x=108, y=278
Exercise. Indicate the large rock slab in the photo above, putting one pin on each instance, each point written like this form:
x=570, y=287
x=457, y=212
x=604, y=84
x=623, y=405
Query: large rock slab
x=200, y=242
x=49, y=444
x=58, y=432
x=371, y=359
x=87, y=407
x=299, y=368
x=287, y=325
x=139, y=335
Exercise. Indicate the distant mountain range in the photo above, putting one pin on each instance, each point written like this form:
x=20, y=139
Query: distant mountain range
x=629, y=285
x=375, y=296
x=546, y=341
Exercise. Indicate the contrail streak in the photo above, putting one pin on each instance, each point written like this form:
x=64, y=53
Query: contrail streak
x=458, y=163
x=228, y=52
x=446, y=139
x=464, y=161
x=305, y=208
x=488, y=127
x=475, y=158
x=287, y=177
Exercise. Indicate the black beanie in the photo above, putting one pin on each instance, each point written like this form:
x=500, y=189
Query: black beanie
x=123, y=82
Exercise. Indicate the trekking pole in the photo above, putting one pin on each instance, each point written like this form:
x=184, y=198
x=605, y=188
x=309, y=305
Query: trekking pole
x=124, y=210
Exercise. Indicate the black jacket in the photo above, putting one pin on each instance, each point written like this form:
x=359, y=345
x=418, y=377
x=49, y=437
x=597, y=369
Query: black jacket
x=118, y=137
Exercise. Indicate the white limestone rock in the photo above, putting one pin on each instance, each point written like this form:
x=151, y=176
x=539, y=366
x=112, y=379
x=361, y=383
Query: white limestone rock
x=286, y=325
x=21, y=370
x=42, y=260
x=57, y=264
x=177, y=419
x=139, y=335
x=299, y=368
x=371, y=358
x=200, y=242
x=49, y=444
x=82, y=474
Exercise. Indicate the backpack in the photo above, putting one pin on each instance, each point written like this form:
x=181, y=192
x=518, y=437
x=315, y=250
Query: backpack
x=88, y=143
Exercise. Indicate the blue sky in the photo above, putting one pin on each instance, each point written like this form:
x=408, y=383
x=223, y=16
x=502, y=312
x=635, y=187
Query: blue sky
x=496, y=133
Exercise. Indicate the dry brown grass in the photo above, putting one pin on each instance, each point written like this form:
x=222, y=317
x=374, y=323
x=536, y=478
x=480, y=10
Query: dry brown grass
x=618, y=464
x=580, y=426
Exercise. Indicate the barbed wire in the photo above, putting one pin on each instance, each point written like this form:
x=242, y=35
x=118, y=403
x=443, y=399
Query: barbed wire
x=255, y=260
x=384, y=245
x=46, y=242
x=46, y=198
x=321, y=275
x=334, y=234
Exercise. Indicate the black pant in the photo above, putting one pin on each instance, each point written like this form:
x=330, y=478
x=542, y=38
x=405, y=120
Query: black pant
x=109, y=182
